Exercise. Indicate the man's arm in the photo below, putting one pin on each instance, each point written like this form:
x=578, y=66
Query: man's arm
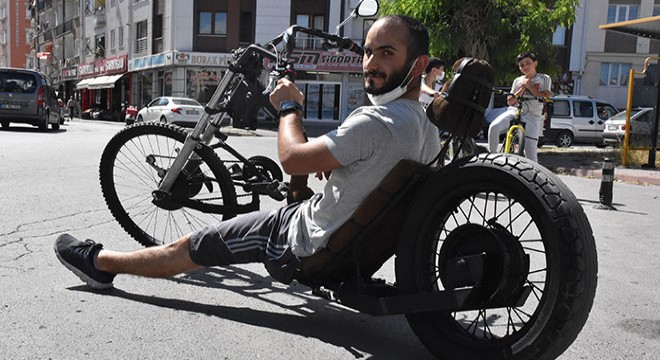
x=297, y=155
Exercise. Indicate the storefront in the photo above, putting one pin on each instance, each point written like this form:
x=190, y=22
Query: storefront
x=105, y=85
x=332, y=84
x=331, y=81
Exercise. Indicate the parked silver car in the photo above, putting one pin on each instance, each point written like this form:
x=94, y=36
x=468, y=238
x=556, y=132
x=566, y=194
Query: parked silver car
x=28, y=96
x=577, y=119
x=641, y=126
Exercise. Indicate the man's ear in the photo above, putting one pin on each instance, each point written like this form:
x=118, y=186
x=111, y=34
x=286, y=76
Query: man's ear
x=420, y=65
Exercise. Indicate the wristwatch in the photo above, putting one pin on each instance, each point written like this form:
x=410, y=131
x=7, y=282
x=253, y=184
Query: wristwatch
x=289, y=106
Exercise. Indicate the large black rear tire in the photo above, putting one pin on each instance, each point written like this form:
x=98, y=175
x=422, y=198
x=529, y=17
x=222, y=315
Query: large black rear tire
x=498, y=201
x=133, y=164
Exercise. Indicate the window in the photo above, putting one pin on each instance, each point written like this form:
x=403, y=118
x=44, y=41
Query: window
x=366, y=25
x=614, y=74
x=561, y=108
x=311, y=21
x=618, y=13
x=583, y=109
x=141, y=37
x=99, y=46
x=112, y=39
x=213, y=23
x=656, y=10
x=120, y=35
x=559, y=36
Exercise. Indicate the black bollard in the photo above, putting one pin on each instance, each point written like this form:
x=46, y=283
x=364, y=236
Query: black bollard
x=606, y=183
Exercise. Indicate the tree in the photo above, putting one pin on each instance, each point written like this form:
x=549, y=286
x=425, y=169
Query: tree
x=493, y=30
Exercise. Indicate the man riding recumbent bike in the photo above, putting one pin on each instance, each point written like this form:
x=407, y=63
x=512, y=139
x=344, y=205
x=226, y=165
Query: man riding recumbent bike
x=495, y=258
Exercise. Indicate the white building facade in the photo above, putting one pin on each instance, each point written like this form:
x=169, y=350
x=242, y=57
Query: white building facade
x=601, y=60
x=135, y=50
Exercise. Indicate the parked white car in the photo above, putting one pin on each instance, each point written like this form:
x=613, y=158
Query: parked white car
x=577, y=119
x=641, y=126
x=174, y=110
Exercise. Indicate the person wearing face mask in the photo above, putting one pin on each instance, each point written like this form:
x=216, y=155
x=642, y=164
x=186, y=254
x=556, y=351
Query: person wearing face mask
x=354, y=158
x=432, y=81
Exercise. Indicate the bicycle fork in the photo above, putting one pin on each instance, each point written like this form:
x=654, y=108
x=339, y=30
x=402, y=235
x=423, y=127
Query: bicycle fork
x=509, y=136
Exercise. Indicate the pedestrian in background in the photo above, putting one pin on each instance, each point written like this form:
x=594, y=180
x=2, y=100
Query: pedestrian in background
x=71, y=104
x=432, y=81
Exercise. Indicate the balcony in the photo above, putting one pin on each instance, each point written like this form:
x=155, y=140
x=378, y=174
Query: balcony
x=43, y=5
x=141, y=46
x=99, y=19
x=64, y=28
x=308, y=42
x=47, y=36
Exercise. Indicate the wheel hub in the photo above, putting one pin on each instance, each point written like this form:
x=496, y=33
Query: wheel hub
x=187, y=185
x=505, y=268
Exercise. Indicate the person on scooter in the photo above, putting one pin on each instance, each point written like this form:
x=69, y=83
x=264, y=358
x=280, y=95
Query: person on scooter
x=353, y=158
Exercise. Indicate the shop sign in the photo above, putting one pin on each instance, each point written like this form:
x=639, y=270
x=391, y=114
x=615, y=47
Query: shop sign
x=151, y=61
x=70, y=73
x=201, y=59
x=116, y=65
x=330, y=61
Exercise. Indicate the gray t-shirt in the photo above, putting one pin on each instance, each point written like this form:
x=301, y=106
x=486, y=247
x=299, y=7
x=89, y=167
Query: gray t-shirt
x=370, y=142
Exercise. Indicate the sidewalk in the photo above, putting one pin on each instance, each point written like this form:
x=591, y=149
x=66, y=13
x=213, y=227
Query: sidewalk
x=588, y=162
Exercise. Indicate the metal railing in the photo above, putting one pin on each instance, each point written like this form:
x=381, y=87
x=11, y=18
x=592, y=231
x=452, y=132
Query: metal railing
x=141, y=45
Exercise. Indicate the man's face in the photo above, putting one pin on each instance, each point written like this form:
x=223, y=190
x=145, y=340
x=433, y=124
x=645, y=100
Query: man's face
x=385, y=54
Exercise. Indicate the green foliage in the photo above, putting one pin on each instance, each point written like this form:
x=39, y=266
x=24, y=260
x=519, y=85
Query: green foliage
x=493, y=30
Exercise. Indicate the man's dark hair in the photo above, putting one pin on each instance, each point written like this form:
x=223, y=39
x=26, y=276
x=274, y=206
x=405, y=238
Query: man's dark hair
x=418, y=36
x=526, y=54
x=433, y=63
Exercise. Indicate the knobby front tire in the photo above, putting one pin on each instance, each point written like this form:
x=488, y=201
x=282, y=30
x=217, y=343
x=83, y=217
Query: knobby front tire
x=132, y=166
x=538, y=218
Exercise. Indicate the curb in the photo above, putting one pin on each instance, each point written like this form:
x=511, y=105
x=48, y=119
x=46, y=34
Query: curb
x=626, y=175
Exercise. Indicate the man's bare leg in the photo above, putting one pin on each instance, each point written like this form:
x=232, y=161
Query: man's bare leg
x=158, y=261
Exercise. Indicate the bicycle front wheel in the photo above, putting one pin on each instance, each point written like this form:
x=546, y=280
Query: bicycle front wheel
x=132, y=166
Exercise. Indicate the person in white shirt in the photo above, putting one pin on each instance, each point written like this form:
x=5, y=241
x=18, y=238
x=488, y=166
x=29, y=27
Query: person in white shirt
x=531, y=84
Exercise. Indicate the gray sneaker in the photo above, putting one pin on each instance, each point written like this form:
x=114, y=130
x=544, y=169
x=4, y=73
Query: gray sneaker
x=78, y=256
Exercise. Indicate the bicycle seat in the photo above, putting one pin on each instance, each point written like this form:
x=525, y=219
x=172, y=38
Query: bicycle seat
x=373, y=229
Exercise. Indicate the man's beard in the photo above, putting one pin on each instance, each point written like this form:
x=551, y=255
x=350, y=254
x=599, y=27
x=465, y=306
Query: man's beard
x=395, y=80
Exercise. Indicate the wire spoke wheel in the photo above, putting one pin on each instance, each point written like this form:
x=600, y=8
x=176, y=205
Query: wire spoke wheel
x=133, y=165
x=537, y=240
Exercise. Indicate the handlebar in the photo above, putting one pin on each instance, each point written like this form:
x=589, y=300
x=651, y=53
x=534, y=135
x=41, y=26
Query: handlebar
x=522, y=99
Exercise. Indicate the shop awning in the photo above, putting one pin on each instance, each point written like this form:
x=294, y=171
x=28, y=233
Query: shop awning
x=83, y=84
x=104, y=82
x=648, y=27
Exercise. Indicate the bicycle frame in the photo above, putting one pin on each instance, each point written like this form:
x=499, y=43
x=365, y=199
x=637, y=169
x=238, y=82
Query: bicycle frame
x=208, y=125
x=516, y=125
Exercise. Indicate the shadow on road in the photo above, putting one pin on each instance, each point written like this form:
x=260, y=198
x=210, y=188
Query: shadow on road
x=381, y=337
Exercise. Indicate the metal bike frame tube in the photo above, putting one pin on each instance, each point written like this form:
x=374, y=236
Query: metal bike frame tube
x=509, y=136
x=203, y=132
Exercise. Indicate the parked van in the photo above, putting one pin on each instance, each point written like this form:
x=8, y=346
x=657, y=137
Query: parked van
x=27, y=96
x=577, y=119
